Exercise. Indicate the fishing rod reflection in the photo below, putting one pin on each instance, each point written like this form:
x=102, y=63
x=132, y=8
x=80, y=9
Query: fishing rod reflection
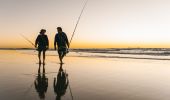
x=41, y=82
x=60, y=83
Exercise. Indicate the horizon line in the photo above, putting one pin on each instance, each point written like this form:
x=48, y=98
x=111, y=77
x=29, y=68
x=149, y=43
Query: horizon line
x=85, y=48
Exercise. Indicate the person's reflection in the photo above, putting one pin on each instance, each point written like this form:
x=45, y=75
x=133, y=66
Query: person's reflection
x=41, y=82
x=61, y=84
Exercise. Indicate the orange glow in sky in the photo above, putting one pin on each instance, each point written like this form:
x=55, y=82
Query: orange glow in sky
x=104, y=23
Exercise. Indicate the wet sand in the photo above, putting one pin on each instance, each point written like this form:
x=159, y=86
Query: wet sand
x=90, y=78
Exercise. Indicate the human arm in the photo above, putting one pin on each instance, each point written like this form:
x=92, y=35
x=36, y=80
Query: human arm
x=35, y=84
x=36, y=41
x=55, y=41
x=67, y=81
x=67, y=42
x=54, y=82
x=47, y=42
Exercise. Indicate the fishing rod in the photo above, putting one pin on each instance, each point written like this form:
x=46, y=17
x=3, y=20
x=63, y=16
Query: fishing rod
x=69, y=86
x=28, y=90
x=40, y=73
x=27, y=40
x=78, y=20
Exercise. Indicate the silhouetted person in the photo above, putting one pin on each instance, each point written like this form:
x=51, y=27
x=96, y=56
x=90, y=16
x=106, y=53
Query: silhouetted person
x=43, y=44
x=62, y=43
x=61, y=84
x=41, y=82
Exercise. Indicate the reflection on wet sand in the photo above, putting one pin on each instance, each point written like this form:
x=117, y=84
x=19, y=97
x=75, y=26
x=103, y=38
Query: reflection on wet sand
x=60, y=85
x=108, y=79
x=41, y=82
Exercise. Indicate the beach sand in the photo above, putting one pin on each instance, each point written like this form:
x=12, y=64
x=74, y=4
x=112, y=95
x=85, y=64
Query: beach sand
x=90, y=78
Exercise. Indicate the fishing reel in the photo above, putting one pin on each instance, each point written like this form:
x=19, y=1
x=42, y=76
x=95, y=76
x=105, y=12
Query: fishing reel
x=67, y=50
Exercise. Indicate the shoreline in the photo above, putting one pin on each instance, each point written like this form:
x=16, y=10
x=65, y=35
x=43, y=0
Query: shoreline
x=109, y=51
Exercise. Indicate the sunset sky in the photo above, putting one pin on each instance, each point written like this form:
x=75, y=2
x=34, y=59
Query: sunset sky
x=104, y=24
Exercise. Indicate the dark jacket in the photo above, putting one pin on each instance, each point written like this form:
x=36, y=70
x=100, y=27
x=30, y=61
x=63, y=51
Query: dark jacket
x=61, y=40
x=42, y=41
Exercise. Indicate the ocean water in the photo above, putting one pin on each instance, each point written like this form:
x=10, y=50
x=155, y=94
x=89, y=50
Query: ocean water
x=138, y=53
x=89, y=75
